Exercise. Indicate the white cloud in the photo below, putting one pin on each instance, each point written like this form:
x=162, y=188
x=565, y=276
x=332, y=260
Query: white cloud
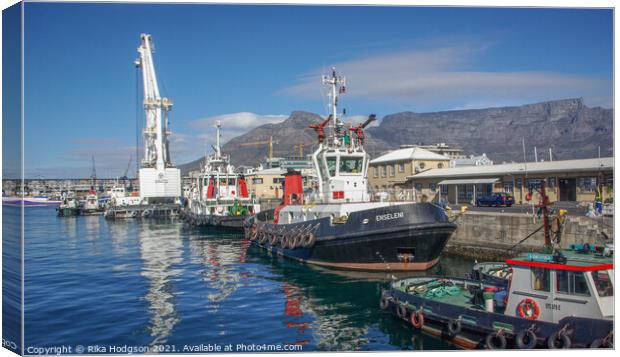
x=442, y=77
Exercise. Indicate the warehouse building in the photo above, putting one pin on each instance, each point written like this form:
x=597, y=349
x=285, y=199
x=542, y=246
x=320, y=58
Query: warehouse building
x=390, y=171
x=567, y=180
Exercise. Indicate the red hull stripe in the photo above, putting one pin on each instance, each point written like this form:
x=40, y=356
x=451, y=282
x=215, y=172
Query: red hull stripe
x=560, y=266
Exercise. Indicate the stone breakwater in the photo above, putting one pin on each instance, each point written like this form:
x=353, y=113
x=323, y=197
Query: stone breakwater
x=489, y=235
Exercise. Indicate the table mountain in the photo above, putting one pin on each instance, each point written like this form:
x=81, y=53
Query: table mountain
x=568, y=126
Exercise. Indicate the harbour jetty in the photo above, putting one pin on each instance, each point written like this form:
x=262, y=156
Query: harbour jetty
x=490, y=235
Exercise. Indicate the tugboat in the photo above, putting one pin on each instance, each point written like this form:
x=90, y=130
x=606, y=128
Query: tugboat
x=338, y=226
x=91, y=204
x=219, y=197
x=562, y=298
x=69, y=205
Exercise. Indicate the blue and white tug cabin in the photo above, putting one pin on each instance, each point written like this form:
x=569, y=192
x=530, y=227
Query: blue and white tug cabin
x=574, y=282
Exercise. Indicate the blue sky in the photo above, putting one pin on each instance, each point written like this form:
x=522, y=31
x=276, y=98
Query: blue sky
x=251, y=65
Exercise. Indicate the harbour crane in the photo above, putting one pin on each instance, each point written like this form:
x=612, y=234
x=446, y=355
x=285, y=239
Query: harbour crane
x=93, y=174
x=124, y=177
x=299, y=148
x=159, y=179
x=269, y=142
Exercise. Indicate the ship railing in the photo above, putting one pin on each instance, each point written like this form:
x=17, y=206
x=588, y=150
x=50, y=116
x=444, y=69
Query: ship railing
x=391, y=194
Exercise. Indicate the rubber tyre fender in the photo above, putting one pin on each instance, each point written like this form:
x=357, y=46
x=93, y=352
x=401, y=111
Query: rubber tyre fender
x=401, y=311
x=308, y=240
x=417, y=319
x=492, y=338
x=552, y=341
x=297, y=238
x=454, y=327
x=384, y=303
x=598, y=343
x=273, y=239
x=285, y=242
x=522, y=337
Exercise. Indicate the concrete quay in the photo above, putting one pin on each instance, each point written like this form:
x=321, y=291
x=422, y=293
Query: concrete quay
x=490, y=235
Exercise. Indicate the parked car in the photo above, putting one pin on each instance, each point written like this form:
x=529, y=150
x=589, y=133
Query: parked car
x=495, y=199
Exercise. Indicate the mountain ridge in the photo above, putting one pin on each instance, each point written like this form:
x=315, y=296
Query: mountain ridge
x=570, y=128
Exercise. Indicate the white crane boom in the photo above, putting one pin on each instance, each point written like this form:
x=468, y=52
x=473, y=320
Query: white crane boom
x=158, y=178
x=156, y=109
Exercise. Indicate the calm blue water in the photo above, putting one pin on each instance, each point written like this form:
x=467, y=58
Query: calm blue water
x=89, y=282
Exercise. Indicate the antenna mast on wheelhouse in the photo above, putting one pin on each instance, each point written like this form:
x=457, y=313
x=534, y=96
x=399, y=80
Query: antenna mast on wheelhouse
x=337, y=87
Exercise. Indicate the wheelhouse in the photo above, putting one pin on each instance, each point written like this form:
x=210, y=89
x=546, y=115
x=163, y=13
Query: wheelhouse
x=342, y=174
x=571, y=282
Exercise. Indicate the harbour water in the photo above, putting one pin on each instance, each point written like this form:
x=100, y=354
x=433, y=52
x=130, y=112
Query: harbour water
x=166, y=285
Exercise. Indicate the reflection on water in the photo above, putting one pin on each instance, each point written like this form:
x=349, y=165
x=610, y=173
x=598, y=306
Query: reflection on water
x=161, y=251
x=146, y=282
x=218, y=256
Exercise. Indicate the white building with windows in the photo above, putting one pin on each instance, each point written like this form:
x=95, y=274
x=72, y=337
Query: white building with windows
x=567, y=180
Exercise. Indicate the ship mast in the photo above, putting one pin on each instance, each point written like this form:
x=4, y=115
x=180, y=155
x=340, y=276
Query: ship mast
x=337, y=87
x=218, y=135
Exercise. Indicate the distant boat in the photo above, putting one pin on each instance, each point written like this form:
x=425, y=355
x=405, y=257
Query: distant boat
x=30, y=201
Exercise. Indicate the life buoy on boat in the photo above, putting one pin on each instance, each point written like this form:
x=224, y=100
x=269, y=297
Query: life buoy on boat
x=528, y=309
x=417, y=319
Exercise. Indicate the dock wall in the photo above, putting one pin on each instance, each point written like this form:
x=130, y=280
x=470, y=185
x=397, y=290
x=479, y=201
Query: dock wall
x=489, y=235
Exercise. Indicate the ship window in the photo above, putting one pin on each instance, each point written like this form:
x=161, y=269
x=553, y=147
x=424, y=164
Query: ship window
x=231, y=182
x=223, y=181
x=350, y=165
x=331, y=165
x=540, y=279
x=570, y=282
x=602, y=282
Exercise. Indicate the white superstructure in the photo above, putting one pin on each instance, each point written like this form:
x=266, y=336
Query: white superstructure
x=340, y=161
x=159, y=180
x=219, y=190
x=341, y=166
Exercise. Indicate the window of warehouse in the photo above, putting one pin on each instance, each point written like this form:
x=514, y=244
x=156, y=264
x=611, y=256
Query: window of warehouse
x=587, y=184
x=257, y=181
x=401, y=167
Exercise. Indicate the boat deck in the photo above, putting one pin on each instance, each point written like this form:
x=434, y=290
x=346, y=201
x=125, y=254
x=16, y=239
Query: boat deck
x=449, y=291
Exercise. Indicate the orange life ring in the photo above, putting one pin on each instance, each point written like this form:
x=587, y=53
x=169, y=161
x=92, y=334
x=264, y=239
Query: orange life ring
x=528, y=309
